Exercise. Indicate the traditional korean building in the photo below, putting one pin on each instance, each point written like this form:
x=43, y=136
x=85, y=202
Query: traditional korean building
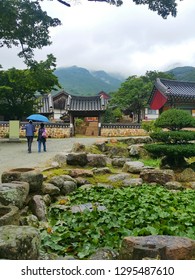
x=168, y=94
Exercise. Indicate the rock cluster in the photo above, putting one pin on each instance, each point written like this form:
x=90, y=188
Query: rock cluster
x=25, y=196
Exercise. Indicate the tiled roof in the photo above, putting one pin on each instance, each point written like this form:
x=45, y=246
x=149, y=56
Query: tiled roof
x=176, y=89
x=86, y=103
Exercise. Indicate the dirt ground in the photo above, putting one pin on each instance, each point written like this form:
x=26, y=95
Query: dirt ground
x=14, y=154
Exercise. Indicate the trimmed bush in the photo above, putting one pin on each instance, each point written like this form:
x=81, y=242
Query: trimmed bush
x=175, y=119
x=173, y=137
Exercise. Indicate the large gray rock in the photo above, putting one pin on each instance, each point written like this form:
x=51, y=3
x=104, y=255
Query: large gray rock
x=134, y=167
x=96, y=160
x=14, y=193
x=19, y=243
x=77, y=159
x=187, y=175
x=157, y=176
x=155, y=246
x=9, y=215
x=118, y=177
x=132, y=182
x=60, y=158
x=50, y=189
x=68, y=187
x=38, y=207
x=119, y=162
x=29, y=175
x=80, y=173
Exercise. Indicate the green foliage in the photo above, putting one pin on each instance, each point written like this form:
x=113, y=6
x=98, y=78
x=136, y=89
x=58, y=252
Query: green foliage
x=164, y=8
x=185, y=73
x=79, y=122
x=175, y=119
x=18, y=88
x=149, y=126
x=171, y=150
x=173, y=137
x=24, y=24
x=129, y=211
x=134, y=92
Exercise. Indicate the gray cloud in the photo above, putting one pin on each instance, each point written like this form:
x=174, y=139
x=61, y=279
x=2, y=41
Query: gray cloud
x=130, y=39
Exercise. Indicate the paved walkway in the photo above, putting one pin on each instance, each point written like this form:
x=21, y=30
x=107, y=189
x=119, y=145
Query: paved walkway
x=14, y=155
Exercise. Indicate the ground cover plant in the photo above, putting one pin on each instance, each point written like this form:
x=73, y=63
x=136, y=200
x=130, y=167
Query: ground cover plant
x=131, y=211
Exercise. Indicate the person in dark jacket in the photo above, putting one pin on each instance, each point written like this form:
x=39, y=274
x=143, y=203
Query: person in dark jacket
x=30, y=130
x=42, y=134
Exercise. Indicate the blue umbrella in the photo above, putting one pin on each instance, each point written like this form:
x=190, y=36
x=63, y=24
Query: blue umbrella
x=37, y=118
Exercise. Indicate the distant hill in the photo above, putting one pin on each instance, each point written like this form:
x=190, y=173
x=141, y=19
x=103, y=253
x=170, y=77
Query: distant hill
x=80, y=81
x=185, y=73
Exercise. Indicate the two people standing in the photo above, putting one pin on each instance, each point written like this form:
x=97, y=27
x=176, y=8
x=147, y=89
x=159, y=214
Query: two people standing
x=42, y=134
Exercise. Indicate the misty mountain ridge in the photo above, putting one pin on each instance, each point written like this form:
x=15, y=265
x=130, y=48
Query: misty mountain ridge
x=82, y=82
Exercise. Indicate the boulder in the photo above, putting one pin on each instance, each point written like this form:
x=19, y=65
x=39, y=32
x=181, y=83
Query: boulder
x=80, y=173
x=57, y=181
x=68, y=187
x=78, y=147
x=19, y=243
x=119, y=162
x=137, y=140
x=174, y=185
x=132, y=182
x=134, y=167
x=187, y=175
x=48, y=188
x=118, y=177
x=77, y=159
x=157, y=176
x=29, y=175
x=103, y=170
x=60, y=158
x=157, y=246
x=38, y=207
x=104, y=254
x=96, y=160
x=14, y=193
x=9, y=215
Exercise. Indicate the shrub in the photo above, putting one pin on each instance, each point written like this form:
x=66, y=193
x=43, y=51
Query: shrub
x=175, y=119
x=173, y=137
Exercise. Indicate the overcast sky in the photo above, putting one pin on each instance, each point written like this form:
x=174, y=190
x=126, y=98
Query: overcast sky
x=129, y=39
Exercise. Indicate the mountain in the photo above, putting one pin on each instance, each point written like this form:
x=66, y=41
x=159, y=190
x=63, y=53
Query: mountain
x=80, y=81
x=185, y=73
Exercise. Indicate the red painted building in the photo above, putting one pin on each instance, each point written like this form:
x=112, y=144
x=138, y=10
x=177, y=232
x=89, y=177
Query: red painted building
x=168, y=94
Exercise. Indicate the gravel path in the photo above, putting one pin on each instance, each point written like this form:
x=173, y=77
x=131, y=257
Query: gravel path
x=14, y=155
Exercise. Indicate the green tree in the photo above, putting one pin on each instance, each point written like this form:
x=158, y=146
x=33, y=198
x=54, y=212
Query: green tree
x=19, y=88
x=133, y=94
x=164, y=8
x=173, y=145
x=24, y=24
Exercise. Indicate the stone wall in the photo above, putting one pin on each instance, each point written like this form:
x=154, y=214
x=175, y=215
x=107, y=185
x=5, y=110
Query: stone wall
x=62, y=130
x=57, y=130
x=118, y=129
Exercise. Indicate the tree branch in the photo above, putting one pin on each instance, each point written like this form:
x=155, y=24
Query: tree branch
x=64, y=3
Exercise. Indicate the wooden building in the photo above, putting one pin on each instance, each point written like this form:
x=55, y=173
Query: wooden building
x=168, y=94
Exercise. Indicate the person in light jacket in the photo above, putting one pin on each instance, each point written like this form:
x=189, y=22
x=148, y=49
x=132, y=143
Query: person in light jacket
x=30, y=130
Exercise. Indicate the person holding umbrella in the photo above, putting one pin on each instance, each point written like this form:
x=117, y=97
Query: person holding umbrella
x=30, y=130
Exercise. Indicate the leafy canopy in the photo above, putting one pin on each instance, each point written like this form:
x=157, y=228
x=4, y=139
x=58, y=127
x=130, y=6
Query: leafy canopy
x=164, y=8
x=19, y=88
x=23, y=23
x=133, y=94
x=175, y=119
